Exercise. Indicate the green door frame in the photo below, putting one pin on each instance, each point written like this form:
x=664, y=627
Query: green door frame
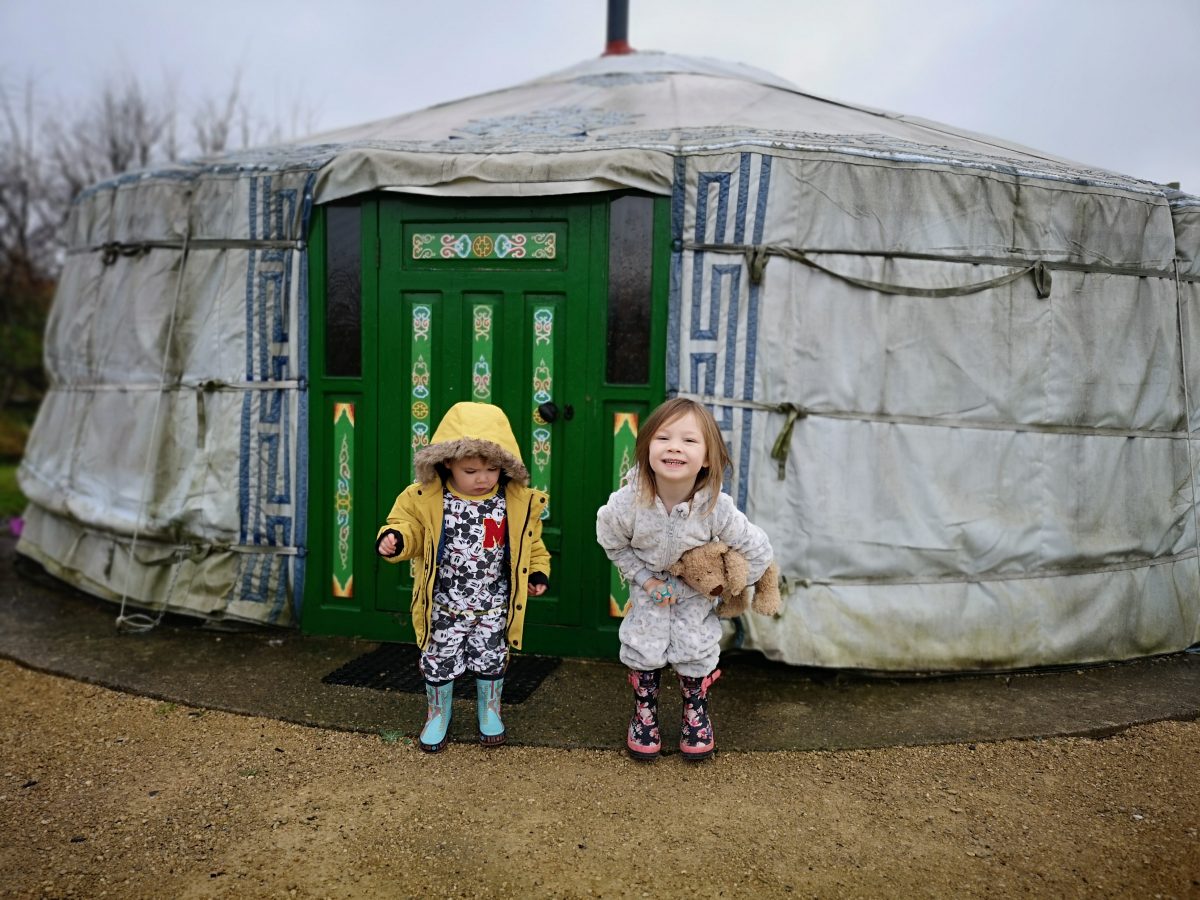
x=348, y=479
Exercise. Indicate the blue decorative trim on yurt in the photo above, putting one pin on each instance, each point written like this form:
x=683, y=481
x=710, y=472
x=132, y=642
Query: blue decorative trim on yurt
x=760, y=218
x=705, y=363
x=301, y=531
x=732, y=274
x=567, y=128
x=704, y=321
x=266, y=501
x=712, y=334
x=739, y=227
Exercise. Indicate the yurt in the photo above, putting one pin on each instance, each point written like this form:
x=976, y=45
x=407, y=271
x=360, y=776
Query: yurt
x=958, y=377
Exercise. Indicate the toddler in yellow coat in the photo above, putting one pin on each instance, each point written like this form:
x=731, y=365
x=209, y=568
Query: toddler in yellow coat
x=472, y=527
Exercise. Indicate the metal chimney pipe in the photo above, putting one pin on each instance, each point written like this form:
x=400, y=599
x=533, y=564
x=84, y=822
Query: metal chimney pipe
x=618, y=29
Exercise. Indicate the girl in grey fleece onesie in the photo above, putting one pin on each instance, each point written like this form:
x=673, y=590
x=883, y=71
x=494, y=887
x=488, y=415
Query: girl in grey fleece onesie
x=670, y=502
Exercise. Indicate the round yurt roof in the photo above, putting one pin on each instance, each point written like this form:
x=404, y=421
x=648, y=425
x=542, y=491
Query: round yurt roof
x=650, y=96
x=614, y=121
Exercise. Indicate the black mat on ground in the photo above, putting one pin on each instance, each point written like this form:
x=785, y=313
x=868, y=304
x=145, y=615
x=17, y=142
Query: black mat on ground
x=393, y=667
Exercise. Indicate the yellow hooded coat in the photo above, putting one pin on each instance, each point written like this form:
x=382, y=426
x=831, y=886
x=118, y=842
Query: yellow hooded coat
x=469, y=429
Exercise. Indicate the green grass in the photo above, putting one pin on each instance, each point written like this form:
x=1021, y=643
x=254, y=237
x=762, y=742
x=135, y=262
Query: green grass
x=12, y=502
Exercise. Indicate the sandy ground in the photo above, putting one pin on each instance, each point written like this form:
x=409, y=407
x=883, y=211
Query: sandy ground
x=108, y=794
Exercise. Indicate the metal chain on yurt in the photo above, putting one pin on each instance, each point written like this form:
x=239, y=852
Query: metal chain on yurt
x=140, y=622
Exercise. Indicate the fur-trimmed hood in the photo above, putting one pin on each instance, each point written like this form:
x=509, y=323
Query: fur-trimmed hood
x=472, y=429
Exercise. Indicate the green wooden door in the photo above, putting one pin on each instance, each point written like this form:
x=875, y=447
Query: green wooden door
x=554, y=310
x=489, y=302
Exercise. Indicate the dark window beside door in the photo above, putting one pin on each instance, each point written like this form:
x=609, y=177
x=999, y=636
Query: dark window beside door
x=343, y=303
x=630, y=245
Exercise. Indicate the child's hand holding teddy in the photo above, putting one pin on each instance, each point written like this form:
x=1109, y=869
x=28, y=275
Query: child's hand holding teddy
x=661, y=592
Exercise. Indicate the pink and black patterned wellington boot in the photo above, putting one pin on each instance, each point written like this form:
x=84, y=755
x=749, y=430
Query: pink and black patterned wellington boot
x=696, y=739
x=643, y=740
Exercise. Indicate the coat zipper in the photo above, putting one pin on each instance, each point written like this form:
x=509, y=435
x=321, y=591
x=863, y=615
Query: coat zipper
x=512, y=588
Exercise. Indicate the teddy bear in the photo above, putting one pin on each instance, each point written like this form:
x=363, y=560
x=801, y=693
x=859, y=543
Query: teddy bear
x=717, y=570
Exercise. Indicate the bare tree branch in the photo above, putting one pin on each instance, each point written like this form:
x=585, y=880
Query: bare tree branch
x=212, y=122
x=47, y=160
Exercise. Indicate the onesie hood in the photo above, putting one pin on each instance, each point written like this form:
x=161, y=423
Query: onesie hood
x=472, y=429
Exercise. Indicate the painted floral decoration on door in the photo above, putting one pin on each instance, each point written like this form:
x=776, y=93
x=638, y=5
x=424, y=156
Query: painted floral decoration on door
x=485, y=245
x=543, y=386
x=481, y=352
x=422, y=328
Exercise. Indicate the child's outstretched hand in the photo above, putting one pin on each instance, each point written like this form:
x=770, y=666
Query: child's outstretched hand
x=388, y=545
x=661, y=592
x=536, y=590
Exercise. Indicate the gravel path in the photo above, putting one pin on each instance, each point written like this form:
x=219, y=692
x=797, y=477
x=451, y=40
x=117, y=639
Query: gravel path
x=107, y=794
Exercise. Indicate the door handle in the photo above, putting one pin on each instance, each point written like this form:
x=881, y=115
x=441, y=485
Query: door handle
x=549, y=412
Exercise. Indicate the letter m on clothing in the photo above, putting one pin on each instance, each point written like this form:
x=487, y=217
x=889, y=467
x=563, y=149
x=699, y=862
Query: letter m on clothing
x=493, y=533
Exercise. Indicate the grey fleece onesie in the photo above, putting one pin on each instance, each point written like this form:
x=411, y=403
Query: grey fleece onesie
x=642, y=541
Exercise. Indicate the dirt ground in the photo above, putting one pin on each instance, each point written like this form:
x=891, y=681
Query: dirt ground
x=111, y=795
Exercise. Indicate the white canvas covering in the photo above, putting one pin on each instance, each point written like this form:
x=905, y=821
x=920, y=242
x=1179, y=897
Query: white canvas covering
x=971, y=478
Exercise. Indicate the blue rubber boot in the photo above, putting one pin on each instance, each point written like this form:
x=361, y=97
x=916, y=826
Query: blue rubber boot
x=487, y=699
x=436, y=732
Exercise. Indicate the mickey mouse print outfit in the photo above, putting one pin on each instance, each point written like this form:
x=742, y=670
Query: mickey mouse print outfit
x=473, y=560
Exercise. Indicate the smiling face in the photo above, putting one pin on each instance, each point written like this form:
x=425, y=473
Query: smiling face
x=678, y=451
x=472, y=475
x=681, y=480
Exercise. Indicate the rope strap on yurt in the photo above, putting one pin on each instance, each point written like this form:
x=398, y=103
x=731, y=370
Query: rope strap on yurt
x=794, y=412
x=1002, y=578
x=783, y=443
x=757, y=256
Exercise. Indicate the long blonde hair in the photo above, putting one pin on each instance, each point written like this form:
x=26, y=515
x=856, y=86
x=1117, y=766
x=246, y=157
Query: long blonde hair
x=712, y=473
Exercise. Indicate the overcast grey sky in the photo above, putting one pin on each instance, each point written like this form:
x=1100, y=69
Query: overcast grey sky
x=1109, y=83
